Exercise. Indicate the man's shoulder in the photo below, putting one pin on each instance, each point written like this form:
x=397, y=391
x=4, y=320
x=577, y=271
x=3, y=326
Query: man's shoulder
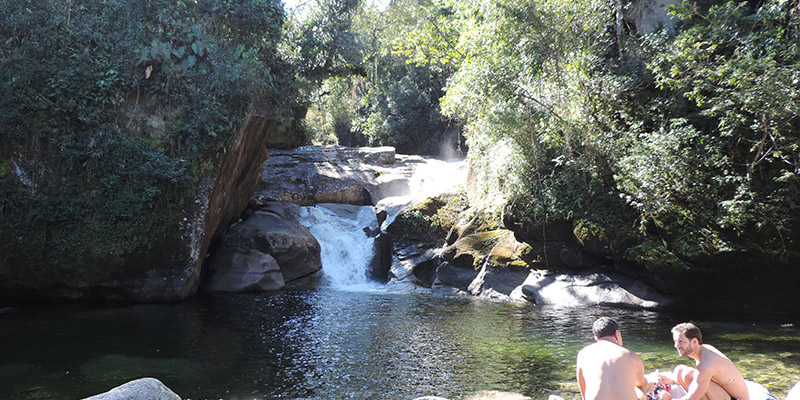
x=711, y=358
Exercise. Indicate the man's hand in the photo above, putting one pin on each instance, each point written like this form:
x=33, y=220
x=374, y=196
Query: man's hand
x=666, y=379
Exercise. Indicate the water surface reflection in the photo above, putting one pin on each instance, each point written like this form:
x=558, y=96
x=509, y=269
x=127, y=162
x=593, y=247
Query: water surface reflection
x=330, y=344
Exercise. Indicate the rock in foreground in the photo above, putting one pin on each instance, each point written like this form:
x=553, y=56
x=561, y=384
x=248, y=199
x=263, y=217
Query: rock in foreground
x=140, y=389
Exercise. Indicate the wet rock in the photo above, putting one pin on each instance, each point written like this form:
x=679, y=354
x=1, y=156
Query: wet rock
x=140, y=389
x=415, y=261
x=497, y=282
x=381, y=263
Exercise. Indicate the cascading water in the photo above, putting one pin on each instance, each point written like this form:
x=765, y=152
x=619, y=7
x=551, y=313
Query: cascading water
x=346, y=232
x=346, y=249
x=430, y=178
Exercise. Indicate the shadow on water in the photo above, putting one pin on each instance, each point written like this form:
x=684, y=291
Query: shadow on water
x=335, y=344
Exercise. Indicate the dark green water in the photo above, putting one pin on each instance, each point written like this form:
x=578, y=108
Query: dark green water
x=329, y=344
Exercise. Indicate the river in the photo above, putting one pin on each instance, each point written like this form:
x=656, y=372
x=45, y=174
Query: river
x=371, y=343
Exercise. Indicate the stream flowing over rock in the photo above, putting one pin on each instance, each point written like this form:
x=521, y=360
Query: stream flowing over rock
x=270, y=248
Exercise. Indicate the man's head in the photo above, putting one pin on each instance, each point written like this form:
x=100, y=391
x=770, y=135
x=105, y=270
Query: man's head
x=687, y=338
x=604, y=327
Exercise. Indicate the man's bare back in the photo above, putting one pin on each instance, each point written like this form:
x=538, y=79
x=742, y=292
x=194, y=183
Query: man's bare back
x=609, y=371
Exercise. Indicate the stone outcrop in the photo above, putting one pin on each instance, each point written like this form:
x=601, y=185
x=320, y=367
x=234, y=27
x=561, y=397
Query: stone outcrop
x=577, y=290
x=335, y=174
x=266, y=251
x=140, y=389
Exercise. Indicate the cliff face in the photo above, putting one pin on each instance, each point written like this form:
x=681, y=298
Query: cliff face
x=167, y=266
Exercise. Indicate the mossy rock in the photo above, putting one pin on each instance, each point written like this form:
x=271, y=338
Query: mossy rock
x=430, y=219
x=508, y=252
x=472, y=250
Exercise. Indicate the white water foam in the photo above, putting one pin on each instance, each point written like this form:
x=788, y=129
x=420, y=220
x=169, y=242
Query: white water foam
x=346, y=250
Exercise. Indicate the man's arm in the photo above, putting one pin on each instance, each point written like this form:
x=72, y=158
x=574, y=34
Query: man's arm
x=579, y=373
x=699, y=385
x=641, y=381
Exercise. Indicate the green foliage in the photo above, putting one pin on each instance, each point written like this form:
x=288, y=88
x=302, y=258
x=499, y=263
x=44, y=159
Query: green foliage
x=740, y=68
x=321, y=42
x=106, y=108
x=392, y=97
x=691, y=140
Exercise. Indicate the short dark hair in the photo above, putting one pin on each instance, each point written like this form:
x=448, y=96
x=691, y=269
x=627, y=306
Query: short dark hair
x=604, y=326
x=690, y=330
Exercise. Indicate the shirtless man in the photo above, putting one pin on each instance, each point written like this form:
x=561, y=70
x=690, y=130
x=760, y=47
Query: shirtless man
x=608, y=371
x=715, y=378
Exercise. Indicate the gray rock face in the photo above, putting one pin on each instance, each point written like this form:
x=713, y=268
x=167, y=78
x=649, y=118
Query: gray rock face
x=542, y=287
x=649, y=16
x=264, y=252
x=415, y=264
x=243, y=270
x=140, y=389
x=454, y=276
x=311, y=175
x=497, y=282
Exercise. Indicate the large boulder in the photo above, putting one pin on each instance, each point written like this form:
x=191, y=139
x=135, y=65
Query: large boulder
x=243, y=269
x=454, y=276
x=140, y=389
x=605, y=289
x=415, y=263
x=497, y=282
x=269, y=234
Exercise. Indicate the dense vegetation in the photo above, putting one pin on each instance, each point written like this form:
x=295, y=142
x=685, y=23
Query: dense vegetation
x=111, y=111
x=388, y=99
x=673, y=148
x=678, y=148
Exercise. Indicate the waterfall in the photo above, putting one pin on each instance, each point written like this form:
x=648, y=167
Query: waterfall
x=431, y=178
x=346, y=250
